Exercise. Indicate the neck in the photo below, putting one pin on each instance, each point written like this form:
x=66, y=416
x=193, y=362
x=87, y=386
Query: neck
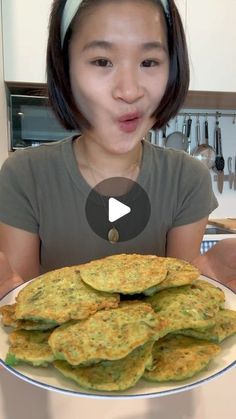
x=97, y=164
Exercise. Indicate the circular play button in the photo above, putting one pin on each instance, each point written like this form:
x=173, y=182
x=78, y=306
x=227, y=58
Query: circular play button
x=118, y=209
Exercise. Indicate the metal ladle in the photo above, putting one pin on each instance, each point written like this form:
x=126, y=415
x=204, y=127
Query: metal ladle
x=204, y=152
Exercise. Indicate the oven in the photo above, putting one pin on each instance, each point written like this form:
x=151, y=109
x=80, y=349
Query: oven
x=32, y=122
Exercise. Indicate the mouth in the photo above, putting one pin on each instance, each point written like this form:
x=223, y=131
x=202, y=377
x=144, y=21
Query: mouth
x=129, y=122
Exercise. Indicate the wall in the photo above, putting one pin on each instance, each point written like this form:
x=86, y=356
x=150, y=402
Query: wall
x=3, y=107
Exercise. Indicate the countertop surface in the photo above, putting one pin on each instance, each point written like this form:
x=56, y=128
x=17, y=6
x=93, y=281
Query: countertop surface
x=218, y=236
x=213, y=400
x=229, y=223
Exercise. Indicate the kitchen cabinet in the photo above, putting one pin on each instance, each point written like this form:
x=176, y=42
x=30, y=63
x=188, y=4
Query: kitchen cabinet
x=211, y=35
x=25, y=24
x=210, y=31
x=25, y=36
x=181, y=4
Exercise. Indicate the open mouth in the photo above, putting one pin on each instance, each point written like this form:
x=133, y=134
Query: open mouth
x=129, y=122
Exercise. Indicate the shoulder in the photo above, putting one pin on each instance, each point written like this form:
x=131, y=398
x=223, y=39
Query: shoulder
x=36, y=157
x=49, y=150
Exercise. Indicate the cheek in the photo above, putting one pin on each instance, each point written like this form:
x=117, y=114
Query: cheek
x=85, y=90
x=81, y=95
x=77, y=81
x=92, y=102
x=158, y=88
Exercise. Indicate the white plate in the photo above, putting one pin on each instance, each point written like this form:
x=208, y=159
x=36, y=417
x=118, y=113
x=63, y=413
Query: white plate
x=50, y=379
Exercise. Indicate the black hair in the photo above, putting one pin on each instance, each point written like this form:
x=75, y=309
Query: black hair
x=58, y=79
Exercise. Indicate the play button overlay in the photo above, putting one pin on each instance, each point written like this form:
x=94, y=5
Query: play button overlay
x=116, y=210
x=118, y=204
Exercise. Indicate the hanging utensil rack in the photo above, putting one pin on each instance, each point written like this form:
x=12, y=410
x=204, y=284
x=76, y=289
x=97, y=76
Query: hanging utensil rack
x=214, y=114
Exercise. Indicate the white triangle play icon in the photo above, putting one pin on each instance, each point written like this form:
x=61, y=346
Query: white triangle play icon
x=116, y=209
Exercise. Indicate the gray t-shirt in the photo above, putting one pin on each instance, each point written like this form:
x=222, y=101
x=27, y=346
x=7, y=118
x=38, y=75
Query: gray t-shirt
x=42, y=191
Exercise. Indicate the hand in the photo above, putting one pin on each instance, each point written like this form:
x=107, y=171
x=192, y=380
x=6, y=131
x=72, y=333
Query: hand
x=8, y=278
x=219, y=262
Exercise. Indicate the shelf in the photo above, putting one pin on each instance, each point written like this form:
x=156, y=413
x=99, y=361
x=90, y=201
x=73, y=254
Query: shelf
x=210, y=100
x=194, y=100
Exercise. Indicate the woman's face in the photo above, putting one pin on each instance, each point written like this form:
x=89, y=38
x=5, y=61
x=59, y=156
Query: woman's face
x=119, y=69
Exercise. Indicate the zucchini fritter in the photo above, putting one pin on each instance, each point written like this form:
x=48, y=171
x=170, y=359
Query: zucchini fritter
x=179, y=357
x=215, y=293
x=189, y=306
x=8, y=315
x=61, y=296
x=9, y=319
x=106, y=335
x=110, y=375
x=30, y=347
x=225, y=326
x=124, y=273
x=179, y=272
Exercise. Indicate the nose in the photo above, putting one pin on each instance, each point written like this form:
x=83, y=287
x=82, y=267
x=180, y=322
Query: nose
x=127, y=85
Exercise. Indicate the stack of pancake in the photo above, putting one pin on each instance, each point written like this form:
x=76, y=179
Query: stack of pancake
x=110, y=322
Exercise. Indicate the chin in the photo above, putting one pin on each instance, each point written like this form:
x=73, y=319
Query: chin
x=126, y=146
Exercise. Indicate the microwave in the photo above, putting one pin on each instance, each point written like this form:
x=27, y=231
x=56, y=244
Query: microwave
x=32, y=122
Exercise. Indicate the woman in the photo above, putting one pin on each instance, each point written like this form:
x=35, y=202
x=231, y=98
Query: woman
x=115, y=70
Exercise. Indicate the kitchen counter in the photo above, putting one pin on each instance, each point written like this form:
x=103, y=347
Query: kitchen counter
x=219, y=236
x=213, y=400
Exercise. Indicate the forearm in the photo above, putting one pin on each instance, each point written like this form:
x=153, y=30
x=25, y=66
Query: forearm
x=8, y=278
x=9, y=284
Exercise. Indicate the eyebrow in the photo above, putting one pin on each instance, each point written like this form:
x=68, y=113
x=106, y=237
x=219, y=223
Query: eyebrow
x=146, y=46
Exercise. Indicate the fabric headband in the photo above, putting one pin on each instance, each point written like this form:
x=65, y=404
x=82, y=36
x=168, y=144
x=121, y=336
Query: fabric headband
x=72, y=6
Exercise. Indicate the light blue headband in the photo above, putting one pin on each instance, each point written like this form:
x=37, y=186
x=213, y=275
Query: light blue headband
x=72, y=6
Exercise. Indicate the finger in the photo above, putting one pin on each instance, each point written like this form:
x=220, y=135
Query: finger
x=232, y=284
x=9, y=284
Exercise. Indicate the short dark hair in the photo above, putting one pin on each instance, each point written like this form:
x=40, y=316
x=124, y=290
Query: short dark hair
x=58, y=80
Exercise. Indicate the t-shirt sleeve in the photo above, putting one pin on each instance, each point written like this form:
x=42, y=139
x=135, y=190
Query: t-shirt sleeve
x=18, y=191
x=195, y=198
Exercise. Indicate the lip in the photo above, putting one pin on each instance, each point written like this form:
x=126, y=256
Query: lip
x=129, y=121
x=129, y=116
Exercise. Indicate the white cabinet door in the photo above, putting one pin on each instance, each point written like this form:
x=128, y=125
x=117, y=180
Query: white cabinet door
x=211, y=36
x=181, y=4
x=25, y=24
x=210, y=31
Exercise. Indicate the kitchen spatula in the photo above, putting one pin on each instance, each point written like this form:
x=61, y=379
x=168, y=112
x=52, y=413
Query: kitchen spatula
x=219, y=160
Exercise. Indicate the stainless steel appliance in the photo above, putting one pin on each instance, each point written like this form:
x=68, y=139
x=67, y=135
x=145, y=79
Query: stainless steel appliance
x=32, y=122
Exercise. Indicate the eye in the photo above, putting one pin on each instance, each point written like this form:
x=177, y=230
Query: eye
x=149, y=63
x=102, y=62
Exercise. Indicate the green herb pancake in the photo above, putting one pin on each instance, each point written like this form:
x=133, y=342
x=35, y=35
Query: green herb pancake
x=59, y=296
x=9, y=319
x=124, y=273
x=110, y=375
x=189, y=306
x=106, y=335
x=30, y=347
x=225, y=326
x=8, y=314
x=215, y=293
x=179, y=357
x=179, y=272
